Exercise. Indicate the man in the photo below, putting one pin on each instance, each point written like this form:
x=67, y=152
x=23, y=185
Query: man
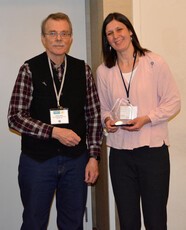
x=55, y=107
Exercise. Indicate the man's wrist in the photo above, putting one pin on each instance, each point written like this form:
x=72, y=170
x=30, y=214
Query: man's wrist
x=95, y=157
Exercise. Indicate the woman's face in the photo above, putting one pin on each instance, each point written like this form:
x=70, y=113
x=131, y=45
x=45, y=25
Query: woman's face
x=118, y=36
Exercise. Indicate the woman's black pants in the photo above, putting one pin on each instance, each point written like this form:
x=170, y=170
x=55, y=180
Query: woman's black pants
x=140, y=180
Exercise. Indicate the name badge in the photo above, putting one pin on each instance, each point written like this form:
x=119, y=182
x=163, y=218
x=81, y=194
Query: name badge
x=128, y=112
x=59, y=116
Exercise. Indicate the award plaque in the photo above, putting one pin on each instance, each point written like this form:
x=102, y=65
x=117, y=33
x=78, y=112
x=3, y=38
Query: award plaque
x=122, y=112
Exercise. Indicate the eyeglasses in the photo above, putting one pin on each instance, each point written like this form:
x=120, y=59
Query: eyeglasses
x=62, y=34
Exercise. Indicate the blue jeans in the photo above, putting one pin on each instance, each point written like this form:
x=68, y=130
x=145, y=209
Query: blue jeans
x=40, y=181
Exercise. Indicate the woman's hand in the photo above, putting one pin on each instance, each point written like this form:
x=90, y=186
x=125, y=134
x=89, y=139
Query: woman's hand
x=137, y=123
x=109, y=125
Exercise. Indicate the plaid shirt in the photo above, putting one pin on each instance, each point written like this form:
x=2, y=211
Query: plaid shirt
x=19, y=118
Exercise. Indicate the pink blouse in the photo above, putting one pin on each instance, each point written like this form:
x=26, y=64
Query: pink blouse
x=153, y=90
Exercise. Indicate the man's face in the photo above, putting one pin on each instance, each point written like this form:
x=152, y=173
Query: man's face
x=57, y=37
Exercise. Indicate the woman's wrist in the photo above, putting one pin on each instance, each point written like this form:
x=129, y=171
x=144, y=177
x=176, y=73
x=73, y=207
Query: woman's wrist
x=107, y=119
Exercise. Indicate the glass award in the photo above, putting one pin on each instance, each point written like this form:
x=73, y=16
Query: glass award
x=122, y=112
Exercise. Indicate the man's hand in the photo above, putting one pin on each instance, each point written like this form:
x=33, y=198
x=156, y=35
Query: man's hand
x=66, y=136
x=91, y=171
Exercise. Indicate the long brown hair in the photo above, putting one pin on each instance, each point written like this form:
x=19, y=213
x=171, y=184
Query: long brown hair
x=109, y=54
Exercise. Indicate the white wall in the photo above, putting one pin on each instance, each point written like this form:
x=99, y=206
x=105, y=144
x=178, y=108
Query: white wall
x=160, y=26
x=19, y=40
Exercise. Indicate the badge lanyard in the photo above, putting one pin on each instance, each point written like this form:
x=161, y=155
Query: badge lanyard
x=127, y=90
x=62, y=81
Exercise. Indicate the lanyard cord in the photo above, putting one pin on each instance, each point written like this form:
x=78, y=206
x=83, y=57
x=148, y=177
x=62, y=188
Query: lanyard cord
x=62, y=82
x=127, y=90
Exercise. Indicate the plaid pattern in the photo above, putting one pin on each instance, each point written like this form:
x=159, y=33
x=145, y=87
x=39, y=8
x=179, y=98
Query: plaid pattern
x=19, y=118
x=93, y=117
x=59, y=70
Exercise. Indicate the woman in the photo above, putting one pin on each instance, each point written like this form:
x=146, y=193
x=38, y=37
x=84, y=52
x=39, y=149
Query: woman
x=138, y=96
